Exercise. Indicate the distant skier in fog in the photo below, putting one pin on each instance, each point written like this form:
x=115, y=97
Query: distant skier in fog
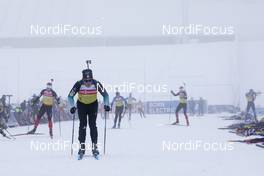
x=192, y=105
x=201, y=107
x=182, y=105
x=120, y=107
x=3, y=100
x=3, y=108
x=3, y=126
x=130, y=105
x=140, y=107
x=251, y=97
x=2, y=120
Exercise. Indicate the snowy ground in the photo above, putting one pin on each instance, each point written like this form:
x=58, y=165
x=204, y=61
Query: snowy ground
x=136, y=149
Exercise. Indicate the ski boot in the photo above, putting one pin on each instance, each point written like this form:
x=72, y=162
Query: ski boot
x=32, y=131
x=81, y=152
x=177, y=120
x=187, y=122
x=114, y=127
x=118, y=126
x=175, y=123
x=51, y=133
x=95, y=152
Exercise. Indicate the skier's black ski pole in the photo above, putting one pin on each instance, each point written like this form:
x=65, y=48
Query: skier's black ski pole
x=59, y=120
x=170, y=108
x=73, y=119
x=28, y=116
x=105, y=133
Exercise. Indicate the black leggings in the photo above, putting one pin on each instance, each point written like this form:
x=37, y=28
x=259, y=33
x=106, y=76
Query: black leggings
x=182, y=106
x=251, y=105
x=44, y=109
x=141, y=112
x=89, y=110
x=118, y=114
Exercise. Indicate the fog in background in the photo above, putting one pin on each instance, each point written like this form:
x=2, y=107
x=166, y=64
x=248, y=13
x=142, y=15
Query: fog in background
x=221, y=72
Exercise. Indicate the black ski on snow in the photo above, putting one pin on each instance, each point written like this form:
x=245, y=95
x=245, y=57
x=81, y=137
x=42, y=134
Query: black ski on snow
x=260, y=145
x=178, y=125
x=249, y=141
x=26, y=134
x=170, y=124
x=234, y=132
x=227, y=128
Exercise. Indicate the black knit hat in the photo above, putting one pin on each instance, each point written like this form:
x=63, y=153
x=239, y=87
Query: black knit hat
x=87, y=74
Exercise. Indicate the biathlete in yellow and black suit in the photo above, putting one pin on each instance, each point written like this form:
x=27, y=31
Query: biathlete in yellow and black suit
x=130, y=105
x=120, y=106
x=87, y=105
x=182, y=105
x=48, y=95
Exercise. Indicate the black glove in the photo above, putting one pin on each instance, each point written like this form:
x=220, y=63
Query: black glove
x=107, y=108
x=73, y=110
x=58, y=101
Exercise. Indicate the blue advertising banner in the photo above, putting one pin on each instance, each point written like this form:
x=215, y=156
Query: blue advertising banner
x=161, y=107
x=166, y=107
